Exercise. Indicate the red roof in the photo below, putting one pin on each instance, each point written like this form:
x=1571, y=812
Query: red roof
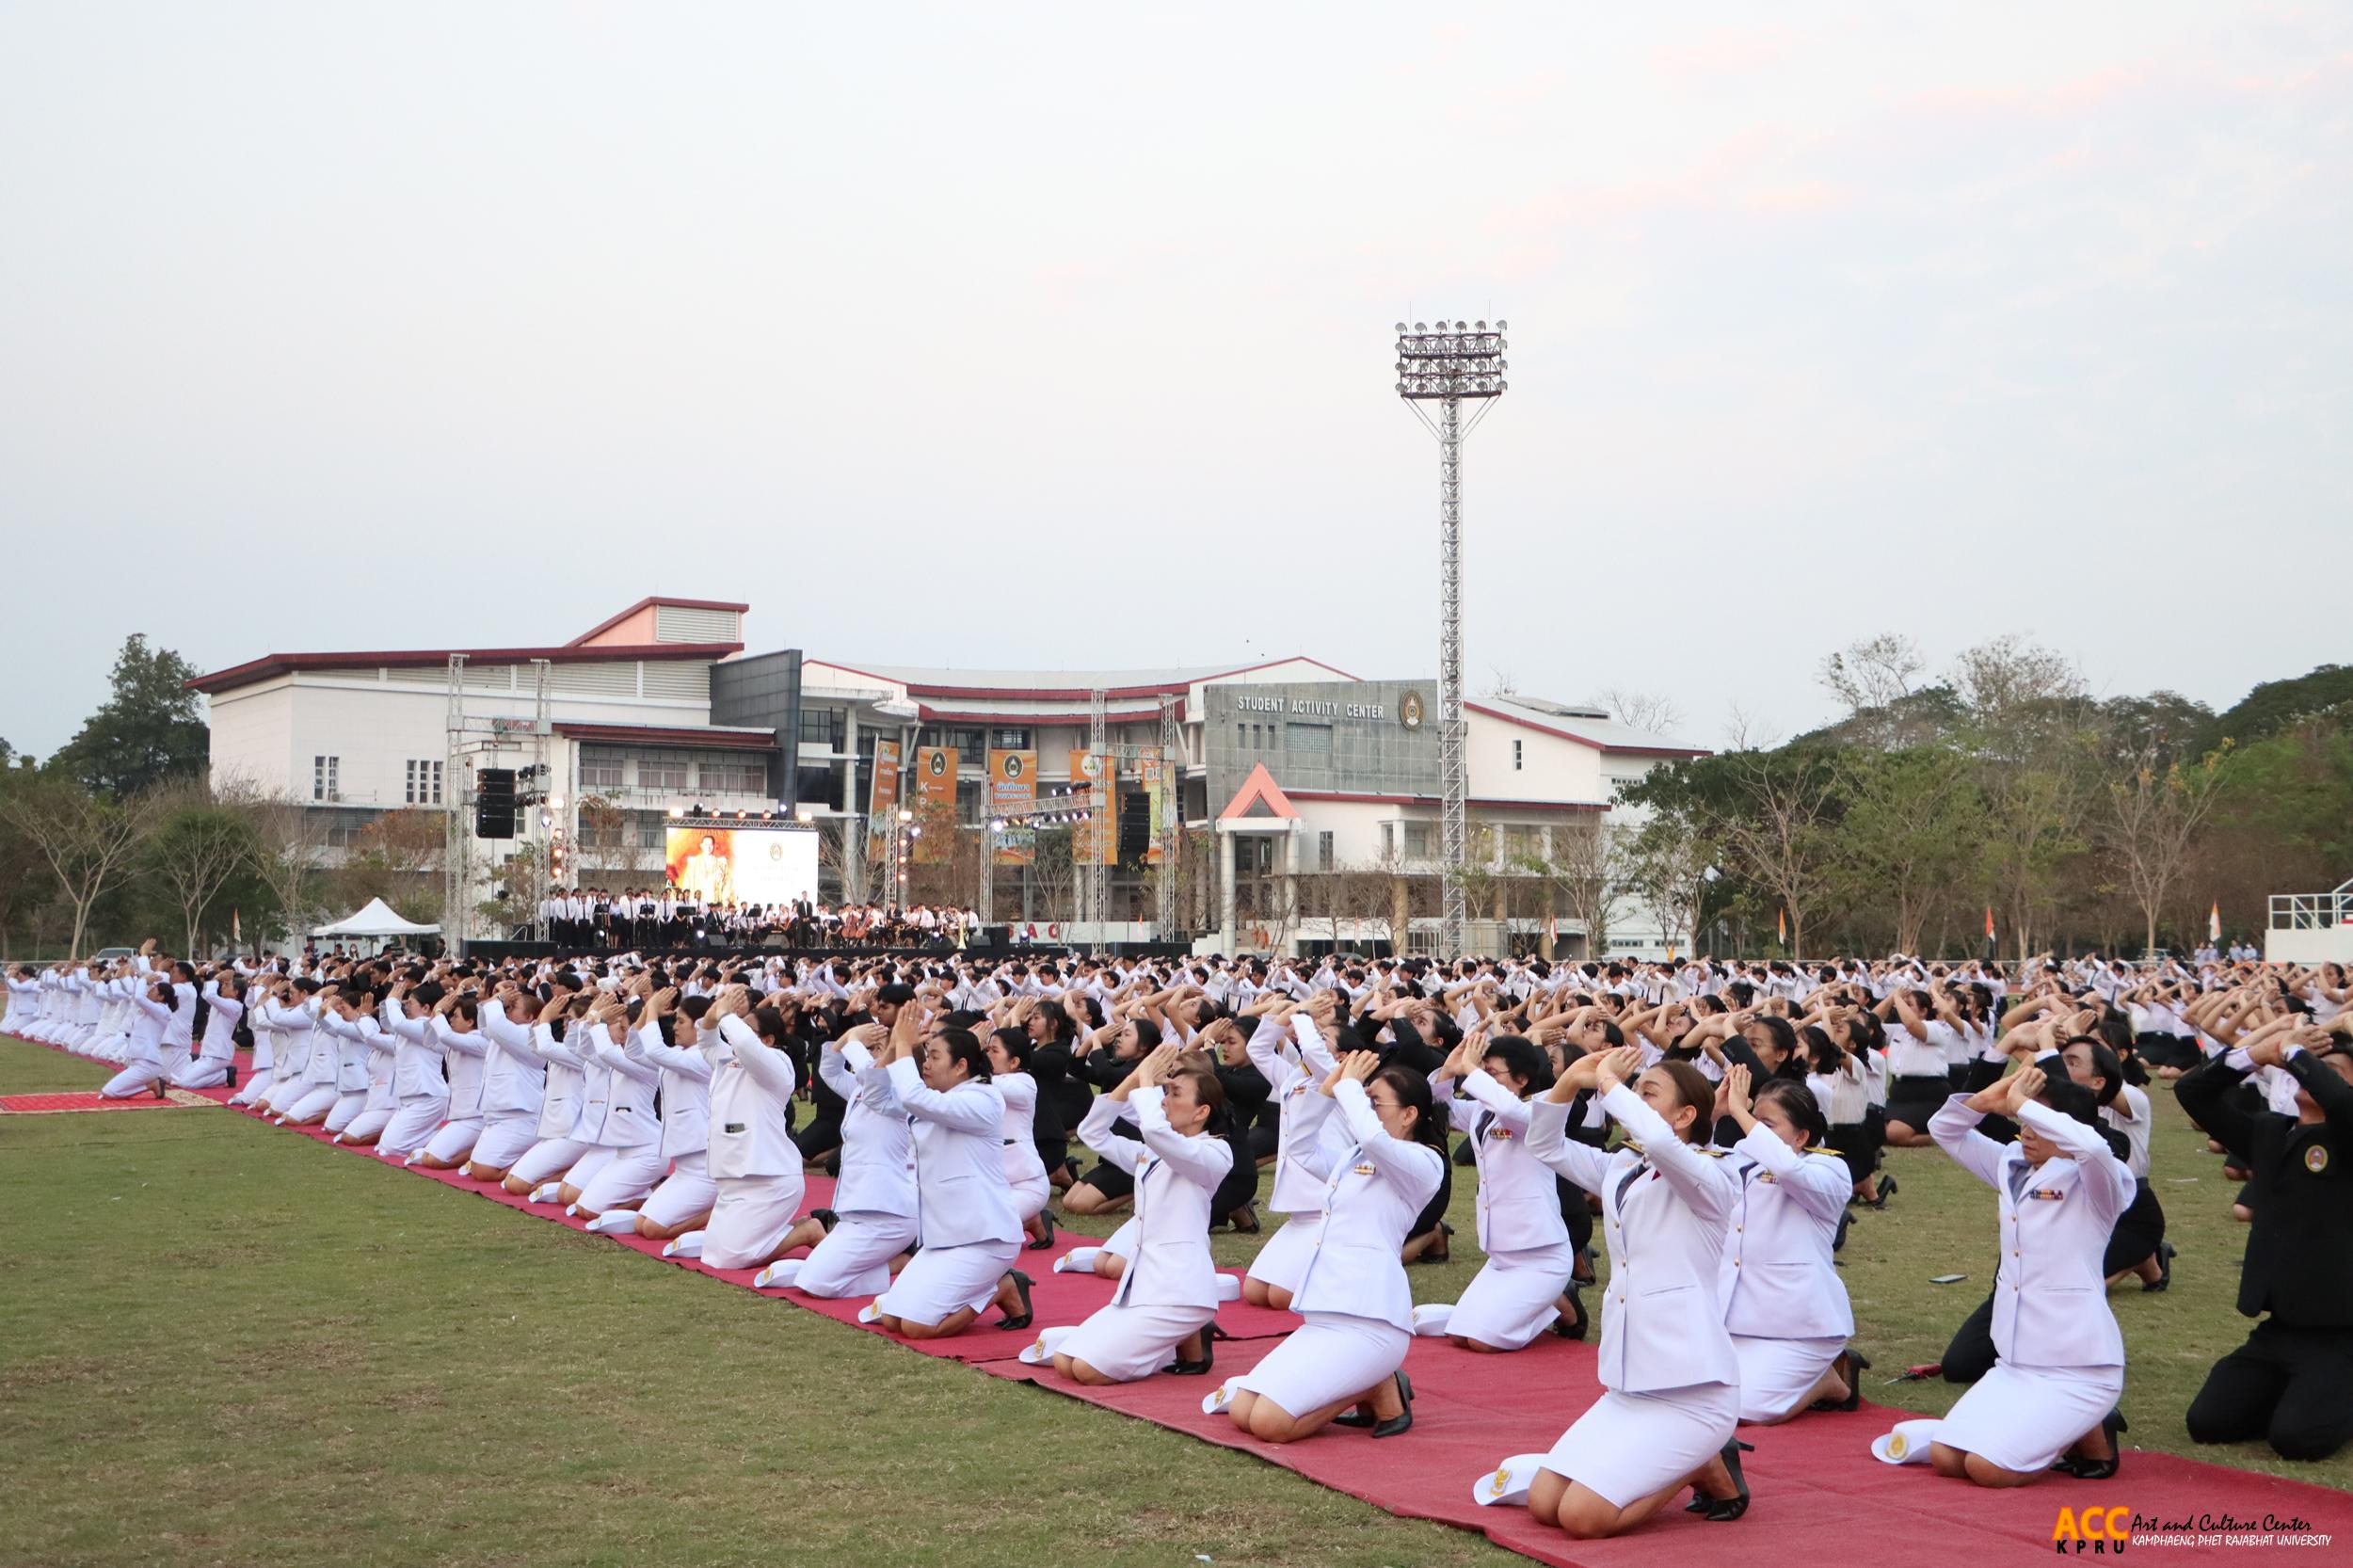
x=1432, y=800
x=1259, y=787
x=1068, y=693
x=668, y=735
x=1582, y=740
x=271, y=664
x=653, y=600
x=1040, y=721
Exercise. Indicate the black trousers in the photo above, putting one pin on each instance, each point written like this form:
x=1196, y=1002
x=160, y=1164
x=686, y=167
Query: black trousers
x=2292, y=1387
x=1970, y=1357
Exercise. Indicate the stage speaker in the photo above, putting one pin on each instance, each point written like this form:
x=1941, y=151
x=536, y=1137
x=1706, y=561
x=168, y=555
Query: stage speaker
x=494, y=803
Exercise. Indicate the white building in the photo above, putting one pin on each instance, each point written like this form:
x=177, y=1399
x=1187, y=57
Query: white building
x=657, y=710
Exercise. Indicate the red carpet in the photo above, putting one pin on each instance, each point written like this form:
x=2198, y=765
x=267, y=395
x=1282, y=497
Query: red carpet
x=38, y=1104
x=1819, y=1494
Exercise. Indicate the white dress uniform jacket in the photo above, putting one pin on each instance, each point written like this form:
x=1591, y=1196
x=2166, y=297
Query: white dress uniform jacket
x=1778, y=1281
x=1295, y=1087
x=878, y=1146
x=514, y=1076
x=621, y=1116
x=416, y=1066
x=1375, y=1187
x=1176, y=1175
x=686, y=1085
x=2050, y=1300
x=1665, y=1210
x=961, y=1192
x=1519, y=1203
x=750, y=1125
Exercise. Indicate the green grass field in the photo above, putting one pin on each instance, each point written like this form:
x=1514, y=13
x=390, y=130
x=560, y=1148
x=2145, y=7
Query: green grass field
x=219, y=1344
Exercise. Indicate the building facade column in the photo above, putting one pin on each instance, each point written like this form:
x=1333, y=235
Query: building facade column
x=1226, y=890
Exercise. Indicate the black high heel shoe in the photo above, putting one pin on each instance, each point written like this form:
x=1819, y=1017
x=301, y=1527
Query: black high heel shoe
x=1404, y=1420
x=2076, y=1464
x=1041, y=1243
x=2165, y=1268
x=1856, y=1363
x=1573, y=1331
x=1021, y=1284
x=1183, y=1369
x=1724, y=1510
x=1885, y=1190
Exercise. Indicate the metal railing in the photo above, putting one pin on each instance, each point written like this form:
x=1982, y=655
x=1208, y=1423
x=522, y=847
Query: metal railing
x=2313, y=911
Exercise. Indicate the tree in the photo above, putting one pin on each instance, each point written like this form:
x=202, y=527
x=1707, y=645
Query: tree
x=150, y=730
x=289, y=844
x=2027, y=727
x=1668, y=869
x=1876, y=672
x=397, y=857
x=200, y=846
x=1911, y=826
x=1645, y=711
x=1593, y=866
x=89, y=843
x=1778, y=829
x=2154, y=811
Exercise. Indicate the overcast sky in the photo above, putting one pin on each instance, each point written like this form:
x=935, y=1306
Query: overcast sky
x=1060, y=336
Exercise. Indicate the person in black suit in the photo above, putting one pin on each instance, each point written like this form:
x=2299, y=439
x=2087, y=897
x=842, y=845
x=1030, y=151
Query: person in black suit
x=2292, y=1383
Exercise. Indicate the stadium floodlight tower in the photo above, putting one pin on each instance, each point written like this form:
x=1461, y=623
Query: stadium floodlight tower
x=1450, y=365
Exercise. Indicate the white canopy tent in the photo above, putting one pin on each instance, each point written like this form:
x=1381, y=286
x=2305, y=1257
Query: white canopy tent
x=376, y=921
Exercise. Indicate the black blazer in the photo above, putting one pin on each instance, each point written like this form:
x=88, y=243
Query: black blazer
x=2300, y=1249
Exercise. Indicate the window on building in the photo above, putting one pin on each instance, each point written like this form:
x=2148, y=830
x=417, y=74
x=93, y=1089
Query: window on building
x=1517, y=754
x=423, y=783
x=1307, y=738
x=661, y=773
x=1388, y=841
x=1324, y=851
x=733, y=777
x=652, y=831
x=1523, y=841
x=1011, y=740
x=821, y=727
x=1242, y=737
x=323, y=782
x=1418, y=840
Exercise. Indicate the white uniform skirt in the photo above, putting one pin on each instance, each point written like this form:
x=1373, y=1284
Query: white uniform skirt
x=623, y=1180
x=1030, y=1195
x=1129, y=1343
x=1509, y=1303
x=1776, y=1374
x=854, y=1258
x=686, y=1191
x=505, y=1141
x=1282, y=1261
x=550, y=1158
x=345, y=1111
x=316, y=1101
x=367, y=1124
x=455, y=1140
x=1627, y=1446
x=411, y=1127
x=749, y=1218
x=2023, y=1418
x=137, y=1078
x=942, y=1279
x=1331, y=1357
x=200, y=1072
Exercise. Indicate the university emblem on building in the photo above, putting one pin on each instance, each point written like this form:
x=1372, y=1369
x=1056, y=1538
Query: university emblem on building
x=1409, y=710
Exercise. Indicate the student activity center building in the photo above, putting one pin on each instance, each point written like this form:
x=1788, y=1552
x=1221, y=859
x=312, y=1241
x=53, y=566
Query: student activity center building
x=1301, y=803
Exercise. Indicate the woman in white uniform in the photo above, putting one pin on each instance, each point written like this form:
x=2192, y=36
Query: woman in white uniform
x=1025, y=1171
x=1345, y=1364
x=1524, y=1286
x=1671, y=1394
x=262, y=1071
x=1165, y=1303
x=375, y=1112
x=465, y=1055
x=563, y=1105
x=683, y=1201
x=143, y=1068
x=349, y=1020
x=872, y=1223
x=1294, y=1080
x=965, y=1211
x=2050, y=1400
x=319, y=1087
x=420, y=1092
x=223, y=1005
x=1784, y=1302
x=622, y=1125
x=755, y=1166
x=514, y=1082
